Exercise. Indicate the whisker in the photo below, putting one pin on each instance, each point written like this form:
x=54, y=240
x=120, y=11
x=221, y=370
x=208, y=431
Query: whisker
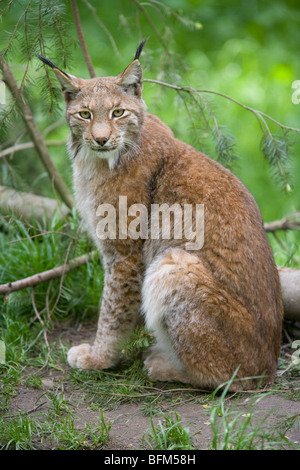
x=131, y=145
x=73, y=148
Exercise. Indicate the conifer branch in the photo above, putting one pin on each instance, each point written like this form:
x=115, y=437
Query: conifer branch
x=223, y=95
x=274, y=147
x=35, y=134
x=16, y=28
x=152, y=24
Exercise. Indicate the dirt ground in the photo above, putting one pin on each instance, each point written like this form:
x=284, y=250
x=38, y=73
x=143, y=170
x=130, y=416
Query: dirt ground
x=129, y=424
x=128, y=421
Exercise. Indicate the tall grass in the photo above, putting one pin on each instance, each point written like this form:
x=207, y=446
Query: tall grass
x=236, y=428
x=170, y=435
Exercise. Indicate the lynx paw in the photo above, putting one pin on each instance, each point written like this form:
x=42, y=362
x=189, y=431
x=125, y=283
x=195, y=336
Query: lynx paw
x=80, y=357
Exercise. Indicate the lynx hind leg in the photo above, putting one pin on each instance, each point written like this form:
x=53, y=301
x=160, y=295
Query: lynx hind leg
x=194, y=322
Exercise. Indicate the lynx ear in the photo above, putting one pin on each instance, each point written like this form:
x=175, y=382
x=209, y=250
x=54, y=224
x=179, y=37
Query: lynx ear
x=131, y=79
x=69, y=84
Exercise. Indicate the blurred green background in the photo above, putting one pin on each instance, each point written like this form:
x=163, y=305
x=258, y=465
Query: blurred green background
x=247, y=50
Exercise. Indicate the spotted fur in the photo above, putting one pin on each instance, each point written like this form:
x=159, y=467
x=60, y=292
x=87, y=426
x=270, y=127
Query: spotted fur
x=212, y=311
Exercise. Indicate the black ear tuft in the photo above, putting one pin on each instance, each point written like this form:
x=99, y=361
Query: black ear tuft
x=69, y=84
x=48, y=62
x=139, y=49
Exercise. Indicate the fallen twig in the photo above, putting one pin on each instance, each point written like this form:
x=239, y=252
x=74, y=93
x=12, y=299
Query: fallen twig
x=44, y=329
x=44, y=276
x=155, y=391
x=25, y=412
x=289, y=278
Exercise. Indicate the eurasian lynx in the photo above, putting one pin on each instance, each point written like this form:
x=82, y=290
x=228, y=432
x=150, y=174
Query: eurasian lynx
x=213, y=310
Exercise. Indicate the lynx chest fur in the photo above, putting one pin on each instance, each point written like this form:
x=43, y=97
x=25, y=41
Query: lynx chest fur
x=214, y=307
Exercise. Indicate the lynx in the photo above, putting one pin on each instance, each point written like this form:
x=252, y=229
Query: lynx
x=214, y=312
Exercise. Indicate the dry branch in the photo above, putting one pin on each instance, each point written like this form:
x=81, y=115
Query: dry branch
x=290, y=222
x=45, y=276
x=29, y=145
x=35, y=134
x=29, y=207
x=290, y=287
x=289, y=278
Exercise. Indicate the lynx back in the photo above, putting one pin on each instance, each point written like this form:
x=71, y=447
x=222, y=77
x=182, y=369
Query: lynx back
x=214, y=307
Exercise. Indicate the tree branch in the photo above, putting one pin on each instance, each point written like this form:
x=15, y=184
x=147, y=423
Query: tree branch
x=290, y=287
x=257, y=113
x=103, y=27
x=29, y=145
x=290, y=222
x=289, y=279
x=35, y=134
x=27, y=206
x=152, y=24
x=45, y=276
x=85, y=51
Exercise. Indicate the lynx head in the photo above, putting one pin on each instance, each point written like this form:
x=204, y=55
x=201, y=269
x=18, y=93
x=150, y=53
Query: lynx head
x=106, y=114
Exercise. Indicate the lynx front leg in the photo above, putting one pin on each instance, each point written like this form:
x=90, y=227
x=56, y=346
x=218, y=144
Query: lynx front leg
x=118, y=315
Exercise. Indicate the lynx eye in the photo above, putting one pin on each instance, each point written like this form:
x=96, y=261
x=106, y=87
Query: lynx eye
x=85, y=114
x=118, y=112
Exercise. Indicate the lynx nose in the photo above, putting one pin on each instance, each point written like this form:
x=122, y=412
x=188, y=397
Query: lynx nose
x=101, y=140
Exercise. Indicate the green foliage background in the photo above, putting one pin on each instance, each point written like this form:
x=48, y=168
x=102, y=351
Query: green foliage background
x=247, y=50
